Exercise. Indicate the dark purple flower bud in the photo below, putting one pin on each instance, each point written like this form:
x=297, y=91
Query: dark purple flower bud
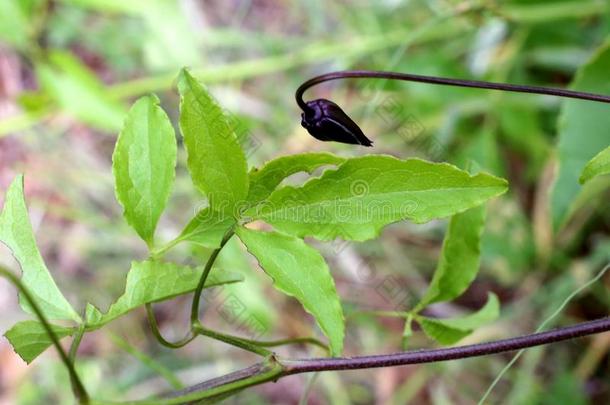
x=326, y=121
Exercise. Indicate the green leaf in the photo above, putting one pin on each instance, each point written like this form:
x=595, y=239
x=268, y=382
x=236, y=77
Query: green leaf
x=16, y=233
x=367, y=193
x=583, y=132
x=30, y=339
x=78, y=92
x=143, y=164
x=460, y=257
x=261, y=314
x=597, y=166
x=266, y=179
x=449, y=331
x=153, y=281
x=441, y=333
x=207, y=228
x=301, y=272
x=93, y=315
x=215, y=159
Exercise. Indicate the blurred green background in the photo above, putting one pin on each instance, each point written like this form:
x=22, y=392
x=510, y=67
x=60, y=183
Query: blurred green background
x=69, y=70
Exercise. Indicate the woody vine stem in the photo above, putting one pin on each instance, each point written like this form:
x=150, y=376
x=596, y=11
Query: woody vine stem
x=288, y=367
x=273, y=367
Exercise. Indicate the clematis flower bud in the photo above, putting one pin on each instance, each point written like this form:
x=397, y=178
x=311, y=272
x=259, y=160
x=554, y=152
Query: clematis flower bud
x=326, y=121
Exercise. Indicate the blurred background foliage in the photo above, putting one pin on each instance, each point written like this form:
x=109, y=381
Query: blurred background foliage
x=70, y=68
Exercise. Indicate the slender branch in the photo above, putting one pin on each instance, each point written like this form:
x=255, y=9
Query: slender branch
x=79, y=389
x=256, y=346
x=78, y=337
x=157, y=253
x=372, y=74
x=154, y=327
x=197, y=328
x=204, y=276
x=290, y=341
x=262, y=372
x=245, y=344
x=388, y=314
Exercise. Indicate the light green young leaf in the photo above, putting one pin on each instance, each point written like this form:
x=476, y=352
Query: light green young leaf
x=30, y=339
x=301, y=272
x=597, y=166
x=153, y=281
x=266, y=179
x=460, y=257
x=78, y=92
x=16, y=233
x=93, y=316
x=449, y=331
x=207, y=228
x=583, y=132
x=367, y=193
x=143, y=164
x=215, y=159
